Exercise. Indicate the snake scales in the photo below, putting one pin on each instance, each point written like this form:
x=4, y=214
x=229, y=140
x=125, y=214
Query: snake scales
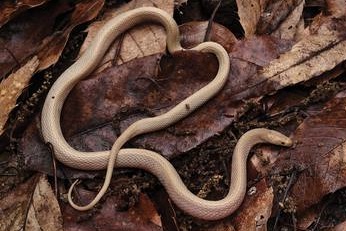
x=141, y=158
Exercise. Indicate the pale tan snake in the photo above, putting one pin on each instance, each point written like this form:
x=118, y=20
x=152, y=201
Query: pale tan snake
x=140, y=158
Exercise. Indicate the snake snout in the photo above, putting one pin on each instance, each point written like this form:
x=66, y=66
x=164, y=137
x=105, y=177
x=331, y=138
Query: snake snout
x=278, y=138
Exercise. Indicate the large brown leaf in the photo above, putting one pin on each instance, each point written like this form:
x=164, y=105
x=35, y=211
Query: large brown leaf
x=319, y=152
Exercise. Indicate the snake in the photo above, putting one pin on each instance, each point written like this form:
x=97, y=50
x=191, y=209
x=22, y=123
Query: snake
x=142, y=158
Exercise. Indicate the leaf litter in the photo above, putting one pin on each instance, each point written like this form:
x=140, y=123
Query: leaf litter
x=261, y=65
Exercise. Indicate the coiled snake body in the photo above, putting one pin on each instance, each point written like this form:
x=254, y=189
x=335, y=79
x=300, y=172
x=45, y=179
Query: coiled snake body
x=140, y=158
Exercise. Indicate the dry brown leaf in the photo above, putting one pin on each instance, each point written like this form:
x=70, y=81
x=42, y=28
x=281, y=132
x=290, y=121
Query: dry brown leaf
x=255, y=211
x=279, y=18
x=247, y=8
x=44, y=212
x=11, y=88
x=308, y=58
x=319, y=153
x=9, y=9
x=138, y=42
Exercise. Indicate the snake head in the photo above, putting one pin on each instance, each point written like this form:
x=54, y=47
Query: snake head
x=278, y=138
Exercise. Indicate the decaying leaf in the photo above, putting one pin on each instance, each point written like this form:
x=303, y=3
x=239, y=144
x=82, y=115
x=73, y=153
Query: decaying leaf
x=12, y=87
x=141, y=41
x=319, y=153
x=255, y=211
x=22, y=37
x=10, y=9
x=44, y=212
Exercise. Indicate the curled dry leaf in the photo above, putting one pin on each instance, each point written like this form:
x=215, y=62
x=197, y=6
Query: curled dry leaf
x=22, y=37
x=9, y=9
x=319, y=153
x=141, y=41
x=11, y=88
x=255, y=211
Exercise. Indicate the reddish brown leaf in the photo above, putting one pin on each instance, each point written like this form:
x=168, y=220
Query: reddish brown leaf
x=319, y=151
x=37, y=32
x=9, y=9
